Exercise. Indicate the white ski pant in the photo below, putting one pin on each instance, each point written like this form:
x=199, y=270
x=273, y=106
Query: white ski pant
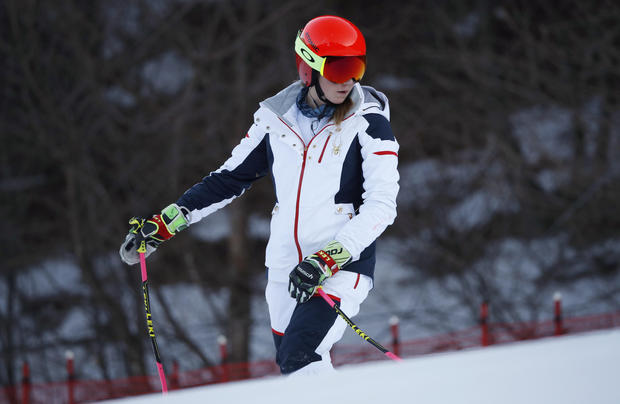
x=305, y=333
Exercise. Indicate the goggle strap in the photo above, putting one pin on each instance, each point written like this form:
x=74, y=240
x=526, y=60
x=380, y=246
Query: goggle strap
x=312, y=59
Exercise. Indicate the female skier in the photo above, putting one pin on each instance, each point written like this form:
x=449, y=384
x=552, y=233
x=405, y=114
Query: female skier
x=327, y=143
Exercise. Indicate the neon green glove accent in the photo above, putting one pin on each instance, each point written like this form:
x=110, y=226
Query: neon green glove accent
x=338, y=253
x=175, y=218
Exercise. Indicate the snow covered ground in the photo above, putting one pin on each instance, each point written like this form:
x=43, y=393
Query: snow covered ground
x=579, y=369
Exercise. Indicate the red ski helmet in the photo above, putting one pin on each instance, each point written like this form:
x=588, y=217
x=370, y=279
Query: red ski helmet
x=332, y=46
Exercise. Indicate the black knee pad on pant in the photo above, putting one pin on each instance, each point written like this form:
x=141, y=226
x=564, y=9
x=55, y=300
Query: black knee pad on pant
x=309, y=324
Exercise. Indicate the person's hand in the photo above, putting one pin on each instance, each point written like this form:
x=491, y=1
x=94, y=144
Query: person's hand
x=310, y=273
x=145, y=235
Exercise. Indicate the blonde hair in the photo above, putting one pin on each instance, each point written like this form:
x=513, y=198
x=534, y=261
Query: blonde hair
x=341, y=111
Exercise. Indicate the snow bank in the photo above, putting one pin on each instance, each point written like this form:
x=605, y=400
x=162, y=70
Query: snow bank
x=571, y=369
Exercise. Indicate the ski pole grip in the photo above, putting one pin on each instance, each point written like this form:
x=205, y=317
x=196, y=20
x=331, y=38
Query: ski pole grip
x=141, y=249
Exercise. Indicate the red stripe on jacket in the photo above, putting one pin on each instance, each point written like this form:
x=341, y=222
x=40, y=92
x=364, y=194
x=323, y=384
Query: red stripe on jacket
x=384, y=153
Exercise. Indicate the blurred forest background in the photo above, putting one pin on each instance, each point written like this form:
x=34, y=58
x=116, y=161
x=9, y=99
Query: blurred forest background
x=507, y=113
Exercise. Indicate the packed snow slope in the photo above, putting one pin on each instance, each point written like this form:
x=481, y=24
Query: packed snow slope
x=579, y=369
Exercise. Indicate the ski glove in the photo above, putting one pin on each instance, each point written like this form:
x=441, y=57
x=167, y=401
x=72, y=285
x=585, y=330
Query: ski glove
x=145, y=235
x=310, y=273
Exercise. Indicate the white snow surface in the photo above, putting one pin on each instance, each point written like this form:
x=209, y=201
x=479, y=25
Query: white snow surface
x=575, y=369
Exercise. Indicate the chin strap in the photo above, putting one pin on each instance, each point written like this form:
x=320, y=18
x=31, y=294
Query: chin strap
x=319, y=90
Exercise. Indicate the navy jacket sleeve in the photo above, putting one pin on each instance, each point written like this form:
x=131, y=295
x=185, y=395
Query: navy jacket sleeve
x=248, y=162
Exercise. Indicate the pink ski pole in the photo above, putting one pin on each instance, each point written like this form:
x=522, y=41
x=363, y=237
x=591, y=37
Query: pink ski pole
x=357, y=330
x=149, y=320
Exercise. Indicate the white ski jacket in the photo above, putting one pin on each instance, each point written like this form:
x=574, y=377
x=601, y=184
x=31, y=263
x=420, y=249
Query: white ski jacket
x=341, y=185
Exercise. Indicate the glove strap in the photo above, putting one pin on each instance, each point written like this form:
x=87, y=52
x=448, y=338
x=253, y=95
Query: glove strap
x=328, y=260
x=156, y=228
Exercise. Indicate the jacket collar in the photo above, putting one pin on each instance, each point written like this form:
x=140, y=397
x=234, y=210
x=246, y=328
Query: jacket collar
x=364, y=98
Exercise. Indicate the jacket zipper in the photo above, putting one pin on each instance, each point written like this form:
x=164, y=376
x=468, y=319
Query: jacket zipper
x=324, y=146
x=301, y=178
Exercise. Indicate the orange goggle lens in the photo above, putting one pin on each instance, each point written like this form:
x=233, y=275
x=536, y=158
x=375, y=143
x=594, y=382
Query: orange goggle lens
x=339, y=69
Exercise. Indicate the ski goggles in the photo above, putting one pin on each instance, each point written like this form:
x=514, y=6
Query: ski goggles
x=337, y=69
